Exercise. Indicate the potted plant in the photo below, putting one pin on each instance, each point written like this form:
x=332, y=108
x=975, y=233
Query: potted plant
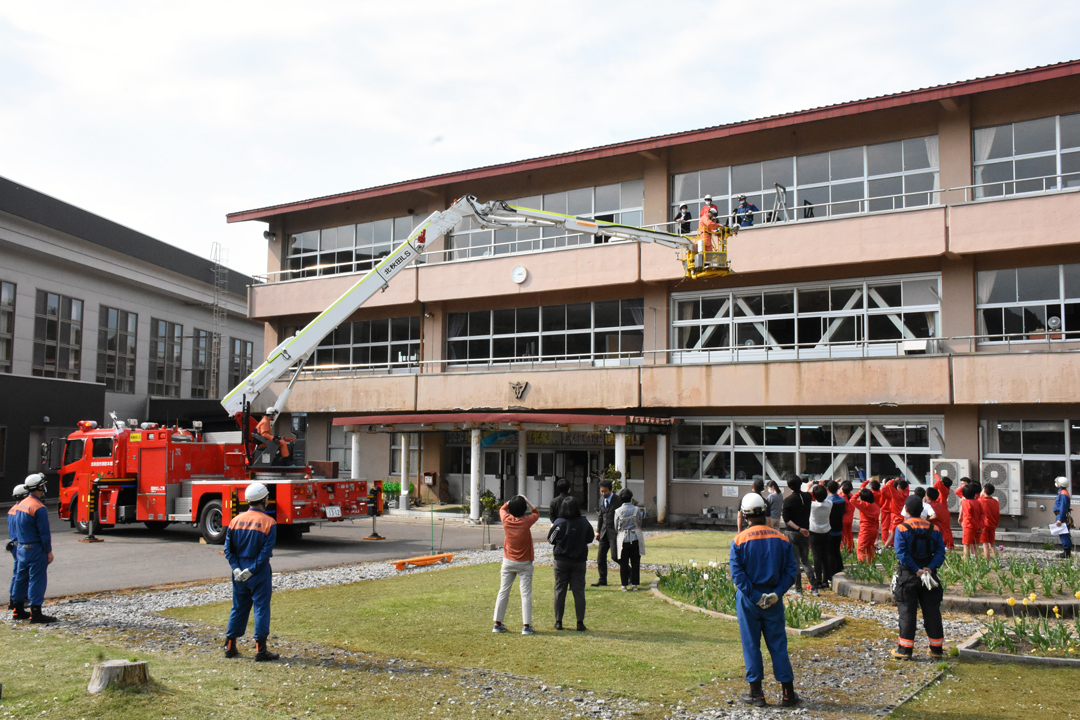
x=490, y=504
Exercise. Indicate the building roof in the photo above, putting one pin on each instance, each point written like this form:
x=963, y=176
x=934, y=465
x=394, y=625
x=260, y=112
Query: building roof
x=854, y=107
x=448, y=422
x=58, y=215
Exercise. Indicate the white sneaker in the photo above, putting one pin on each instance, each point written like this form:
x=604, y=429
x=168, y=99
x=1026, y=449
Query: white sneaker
x=623, y=588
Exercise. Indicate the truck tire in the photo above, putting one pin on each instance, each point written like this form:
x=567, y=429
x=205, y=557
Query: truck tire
x=212, y=523
x=156, y=525
x=82, y=528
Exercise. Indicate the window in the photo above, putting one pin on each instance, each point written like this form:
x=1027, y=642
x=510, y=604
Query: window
x=73, y=451
x=348, y=248
x=166, y=340
x=1031, y=156
x=1046, y=449
x=375, y=345
x=203, y=379
x=741, y=450
x=7, y=327
x=609, y=331
x=339, y=447
x=850, y=318
x=57, y=336
x=1035, y=303
x=621, y=203
x=102, y=448
x=887, y=176
x=241, y=360
x=117, y=336
x=414, y=454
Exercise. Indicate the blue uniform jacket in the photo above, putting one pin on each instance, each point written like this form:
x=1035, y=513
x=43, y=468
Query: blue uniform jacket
x=250, y=537
x=762, y=561
x=12, y=531
x=1061, y=506
x=904, y=541
x=32, y=524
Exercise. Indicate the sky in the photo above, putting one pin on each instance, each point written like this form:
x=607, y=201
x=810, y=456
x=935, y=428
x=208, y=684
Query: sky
x=166, y=116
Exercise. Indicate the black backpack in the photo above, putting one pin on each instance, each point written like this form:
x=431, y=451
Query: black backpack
x=922, y=547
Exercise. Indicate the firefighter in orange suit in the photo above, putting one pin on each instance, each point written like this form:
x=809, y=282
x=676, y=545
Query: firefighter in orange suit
x=708, y=230
x=249, y=544
x=264, y=433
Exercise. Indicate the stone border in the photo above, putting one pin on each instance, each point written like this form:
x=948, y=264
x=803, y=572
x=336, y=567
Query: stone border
x=968, y=652
x=957, y=603
x=833, y=621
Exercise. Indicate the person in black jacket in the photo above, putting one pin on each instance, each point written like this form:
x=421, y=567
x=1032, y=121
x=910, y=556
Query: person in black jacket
x=605, y=529
x=796, y=523
x=562, y=491
x=570, y=535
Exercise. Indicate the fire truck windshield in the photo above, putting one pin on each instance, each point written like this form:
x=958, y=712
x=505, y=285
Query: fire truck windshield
x=102, y=448
x=73, y=451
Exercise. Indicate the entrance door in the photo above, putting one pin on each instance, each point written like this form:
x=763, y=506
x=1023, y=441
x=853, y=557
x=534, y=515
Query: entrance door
x=492, y=472
x=509, y=474
x=576, y=464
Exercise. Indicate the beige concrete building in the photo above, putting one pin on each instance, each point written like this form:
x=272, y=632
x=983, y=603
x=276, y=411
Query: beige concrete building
x=909, y=290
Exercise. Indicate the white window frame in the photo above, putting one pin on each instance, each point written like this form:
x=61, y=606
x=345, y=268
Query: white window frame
x=1034, y=334
x=339, y=446
x=345, y=248
x=1058, y=180
x=1070, y=456
x=339, y=350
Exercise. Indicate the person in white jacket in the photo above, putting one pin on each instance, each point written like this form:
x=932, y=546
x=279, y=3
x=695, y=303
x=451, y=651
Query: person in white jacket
x=630, y=541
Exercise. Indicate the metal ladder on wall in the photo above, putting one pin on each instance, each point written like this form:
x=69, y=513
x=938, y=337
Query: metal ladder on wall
x=220, y=257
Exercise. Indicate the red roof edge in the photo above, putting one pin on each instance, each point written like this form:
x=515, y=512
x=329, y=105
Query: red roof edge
x=501, y=417
x=854, y=107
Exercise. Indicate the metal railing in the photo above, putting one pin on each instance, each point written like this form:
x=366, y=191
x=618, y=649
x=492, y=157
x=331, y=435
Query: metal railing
x=1043, y=184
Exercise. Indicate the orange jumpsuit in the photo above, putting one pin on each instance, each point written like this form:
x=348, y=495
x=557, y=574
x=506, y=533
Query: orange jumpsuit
x=892, y=500
x=708, y=229
x=944, y=517
x=991, y=511
x=846, y=541
x=265, y=428
x=869, y=514
x=971, y=520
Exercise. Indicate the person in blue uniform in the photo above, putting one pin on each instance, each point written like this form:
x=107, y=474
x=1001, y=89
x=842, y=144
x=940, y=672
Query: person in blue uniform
x=34, y=553
x=13, y=540
x=1063, y=515
x=920, y=551
x=763, y=569
x=744, y=213
x=249, y=544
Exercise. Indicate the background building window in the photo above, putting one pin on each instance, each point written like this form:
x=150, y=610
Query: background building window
x=375, y=345
x=1043, y=153
x=201, y=347
x=57, y=336
x=621, y=203
x=7, y=326
x=851, y=180
x=415, y=444
x=1046, y=449
x=241, y=360
x=1035, y=303
x=339, y=447
x=166, y=342
x=117, y=341
x=348, y=248
x=600, y=332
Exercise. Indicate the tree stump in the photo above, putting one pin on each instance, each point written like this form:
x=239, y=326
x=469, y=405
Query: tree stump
x=119, y=673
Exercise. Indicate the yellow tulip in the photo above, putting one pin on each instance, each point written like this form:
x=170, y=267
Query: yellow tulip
x=1011, y=601
x=1078, y=594
x=1032, y=597
x=990, y=612
x=1026, y=601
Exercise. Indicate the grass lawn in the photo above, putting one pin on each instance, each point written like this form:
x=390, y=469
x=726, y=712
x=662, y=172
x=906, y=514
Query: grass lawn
x=703, y=546
x=996, y=692
x=445, y=617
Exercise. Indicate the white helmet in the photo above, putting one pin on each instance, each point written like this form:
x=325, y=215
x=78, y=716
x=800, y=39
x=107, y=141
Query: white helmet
x=271, y=410
x=34, y=481
x=19, y=492
x=256, y=492
x=753, y=505
x=1062, y=482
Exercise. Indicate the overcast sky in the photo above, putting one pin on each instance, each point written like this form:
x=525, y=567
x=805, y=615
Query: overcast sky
x=166, y=116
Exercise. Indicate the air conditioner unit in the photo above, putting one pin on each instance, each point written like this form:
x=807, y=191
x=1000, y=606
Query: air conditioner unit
x=954, y=470
x=1004, y=475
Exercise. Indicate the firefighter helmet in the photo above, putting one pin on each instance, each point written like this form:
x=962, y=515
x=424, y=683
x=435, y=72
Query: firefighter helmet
x=19, y=492
x=256, y=492
x=753, y=505
x=34, y=482
x=271, y=410
x=1062, y=482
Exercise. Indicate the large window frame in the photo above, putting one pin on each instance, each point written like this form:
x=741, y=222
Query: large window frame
x=118, y=341
x=384, y=345
x=878, y=316
x=739, y=449
x=58, y=321
x=1032, y=304
x=416, y=445
x=1047, y=449
x=7, y=326
x=241, y=360
x=607, y=332
x=166, y=358
x=1032, y=156
x=865, y=178
x=346, y=248
x=201, y=352
x=339, y=446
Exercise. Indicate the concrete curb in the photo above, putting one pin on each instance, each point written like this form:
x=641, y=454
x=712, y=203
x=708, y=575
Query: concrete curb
x=968, y=652
x=957, y=603
x=833, y=621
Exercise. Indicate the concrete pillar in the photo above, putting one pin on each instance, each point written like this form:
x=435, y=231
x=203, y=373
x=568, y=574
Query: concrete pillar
x=522, y=440
x=661, y=478
x=474, y=474
x=354, y=459
x=620, y=455
x=403, y=498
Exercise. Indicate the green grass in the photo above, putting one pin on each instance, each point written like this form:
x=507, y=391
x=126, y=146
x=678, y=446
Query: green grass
x=996, y=692
x=702, y=546
x=445, y=617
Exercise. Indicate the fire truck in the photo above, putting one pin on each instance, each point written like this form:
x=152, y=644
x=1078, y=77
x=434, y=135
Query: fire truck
x=159, y=475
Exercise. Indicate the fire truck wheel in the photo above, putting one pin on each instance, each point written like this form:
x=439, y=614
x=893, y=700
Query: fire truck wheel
x=81, y=527
x=156, y=525
x=211, y=523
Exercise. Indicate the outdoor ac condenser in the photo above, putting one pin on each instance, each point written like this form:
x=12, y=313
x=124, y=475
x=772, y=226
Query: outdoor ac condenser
x=1005, y=477
x=954, y=470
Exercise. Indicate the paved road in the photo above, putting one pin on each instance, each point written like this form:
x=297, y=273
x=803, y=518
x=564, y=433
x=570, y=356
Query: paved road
x=133, y=556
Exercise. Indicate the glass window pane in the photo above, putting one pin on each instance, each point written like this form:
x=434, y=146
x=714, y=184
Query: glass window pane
x=993, y=142
x=717, y=465
x=528, y=320
x=633, y=193
x=606, y=314
x=579, y=316
x=997, y=286
x=888, y=191
x=687, y=464
x=992, y=174
x=607, y=198
x=503, y=322
x=815, y=464
x=1038, y=283
x=819, y=435
x=780, y=171
x=920, y=292
x=713, y=182
x=780, y=434
x=847, y=163
x=578, y=344
x=846, y=298
x=813, y=169
x=554, y=318
x=1035, y=136
x=746, y=178
x=1044, y=438
x=480, y=322
x=920, y=153
x=579, y=202
x=686, y=187
x=1070, y=131
x=748, y=466
x=748, y=434
x=885, y=295
x=555, y=202
x=885, y=158
x=778, y=303
x=688, y=434
x=1039, y=476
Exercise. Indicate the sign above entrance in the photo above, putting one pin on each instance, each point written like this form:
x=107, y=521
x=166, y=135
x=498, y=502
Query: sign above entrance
x=540, y=437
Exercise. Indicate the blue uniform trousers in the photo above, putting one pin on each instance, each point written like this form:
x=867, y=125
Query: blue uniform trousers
x=753, y=622
x=1066, y=541
x=32, y=574
x=255, y=592
x=14, y=573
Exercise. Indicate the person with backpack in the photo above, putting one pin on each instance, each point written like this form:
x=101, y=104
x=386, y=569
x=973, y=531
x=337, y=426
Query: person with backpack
x=1063, y=515
x=570, y=536
x=920, y=551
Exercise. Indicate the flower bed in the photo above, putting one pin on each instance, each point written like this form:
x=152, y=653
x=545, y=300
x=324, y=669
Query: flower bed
x=1044, y=639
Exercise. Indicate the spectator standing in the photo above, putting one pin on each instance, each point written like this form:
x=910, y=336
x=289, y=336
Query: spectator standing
x=605, y=530
x=629, y=541
x=518, y=516
x=775, y=501
x=971, y=520
x=869, y=514
x=991, y=512
x=683, y=218
x=796, y=519
x=836, y=531
x=1063, y=515
x=570, y=536
x=847, y=542
x=744, y=213
x=920, y=551
x=562, y=491
x=757, y=486
x=820, y=542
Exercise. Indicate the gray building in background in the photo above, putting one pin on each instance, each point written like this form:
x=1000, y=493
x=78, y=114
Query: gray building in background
x=98, y=318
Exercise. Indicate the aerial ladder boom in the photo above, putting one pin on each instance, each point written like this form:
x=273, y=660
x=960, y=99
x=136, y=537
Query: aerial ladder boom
x=701, y=257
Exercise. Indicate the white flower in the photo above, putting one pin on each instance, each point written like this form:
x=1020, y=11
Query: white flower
x=705, y=576
x=712, y=563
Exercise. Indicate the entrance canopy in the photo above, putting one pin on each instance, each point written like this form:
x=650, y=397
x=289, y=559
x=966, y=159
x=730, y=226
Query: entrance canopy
x=551, y=422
